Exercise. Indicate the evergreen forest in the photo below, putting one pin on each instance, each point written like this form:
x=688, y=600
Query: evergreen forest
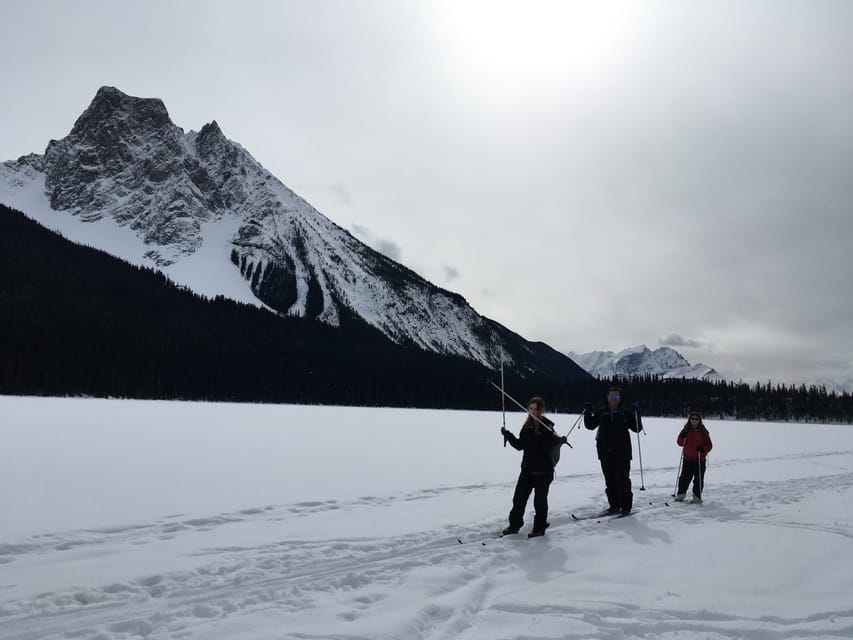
x=75, y=321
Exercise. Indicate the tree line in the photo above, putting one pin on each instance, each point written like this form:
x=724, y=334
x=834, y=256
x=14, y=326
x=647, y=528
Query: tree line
x=721, y=400
x=75, y=321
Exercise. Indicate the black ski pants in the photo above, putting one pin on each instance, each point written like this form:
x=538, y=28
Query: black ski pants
x=692, y=470
x=617, y=484
x=528, y=482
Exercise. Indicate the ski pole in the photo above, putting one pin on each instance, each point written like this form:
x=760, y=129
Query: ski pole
x=577, y=422
x=503, y=401
x=678, y=474
x=640, y=449
x=523, y=408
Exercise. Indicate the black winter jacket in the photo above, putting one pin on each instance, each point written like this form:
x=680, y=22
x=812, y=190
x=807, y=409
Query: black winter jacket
x=613, y=442
x=537, y=446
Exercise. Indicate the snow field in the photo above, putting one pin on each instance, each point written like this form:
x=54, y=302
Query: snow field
x=127, y=519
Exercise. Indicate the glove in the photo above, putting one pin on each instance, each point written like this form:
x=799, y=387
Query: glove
x=504, y=432
x=700, y=448
x=587, y=408
x=564, y=440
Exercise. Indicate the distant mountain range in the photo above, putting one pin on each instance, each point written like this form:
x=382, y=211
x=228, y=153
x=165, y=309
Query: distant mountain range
x=202, y=210
x=664, y=361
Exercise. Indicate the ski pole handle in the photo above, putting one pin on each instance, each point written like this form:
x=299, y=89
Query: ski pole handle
x=640, y=424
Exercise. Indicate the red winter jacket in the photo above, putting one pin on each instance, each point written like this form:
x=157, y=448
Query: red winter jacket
x=692, y=438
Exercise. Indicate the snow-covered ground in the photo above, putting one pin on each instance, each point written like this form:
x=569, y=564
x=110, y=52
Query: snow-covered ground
x=125, y=519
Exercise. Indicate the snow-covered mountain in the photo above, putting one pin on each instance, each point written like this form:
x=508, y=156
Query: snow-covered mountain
x=200, y=208
x=664, y=361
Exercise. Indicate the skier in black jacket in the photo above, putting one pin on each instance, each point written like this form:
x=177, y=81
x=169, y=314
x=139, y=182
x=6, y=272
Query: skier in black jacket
x=537, y=440
x=613, y=443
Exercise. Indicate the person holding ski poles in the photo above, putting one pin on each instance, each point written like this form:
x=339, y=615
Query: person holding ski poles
x=613, y=445
x=695, y=442
x=537, y=440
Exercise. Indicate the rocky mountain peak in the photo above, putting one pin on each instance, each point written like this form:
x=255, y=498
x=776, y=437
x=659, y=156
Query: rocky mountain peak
x=124, y=159
x=202, y=209
x=211, y=129
x=123, y=140
x=210, y=142
x=113, y=106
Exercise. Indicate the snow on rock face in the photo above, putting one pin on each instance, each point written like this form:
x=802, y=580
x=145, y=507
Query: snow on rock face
x=125, y=163
x=125, y=159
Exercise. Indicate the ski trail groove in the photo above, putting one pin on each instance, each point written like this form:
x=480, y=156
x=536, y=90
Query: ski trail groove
x=360, y=575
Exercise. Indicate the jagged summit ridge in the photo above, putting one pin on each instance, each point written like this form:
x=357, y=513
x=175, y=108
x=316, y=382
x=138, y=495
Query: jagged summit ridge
x=202, y=209
x=139, y=115
x=124, y=159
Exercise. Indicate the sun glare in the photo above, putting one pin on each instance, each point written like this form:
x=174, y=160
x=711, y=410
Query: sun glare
x=533, y=39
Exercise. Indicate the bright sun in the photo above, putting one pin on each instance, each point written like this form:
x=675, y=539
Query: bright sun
x=536, y=38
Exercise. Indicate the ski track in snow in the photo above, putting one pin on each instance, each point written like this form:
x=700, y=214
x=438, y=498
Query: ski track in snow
x=347, y=579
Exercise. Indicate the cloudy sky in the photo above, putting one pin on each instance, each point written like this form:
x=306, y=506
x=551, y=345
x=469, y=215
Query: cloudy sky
x=595, y=175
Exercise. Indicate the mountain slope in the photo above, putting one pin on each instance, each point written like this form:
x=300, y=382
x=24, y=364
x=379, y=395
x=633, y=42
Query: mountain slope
x=77, y=321
x=203, y=210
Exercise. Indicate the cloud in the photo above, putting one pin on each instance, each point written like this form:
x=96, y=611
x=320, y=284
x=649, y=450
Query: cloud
x=675, y=340
x=716, y=202
x=450, y=274
x=341, y=193
x=388, y=248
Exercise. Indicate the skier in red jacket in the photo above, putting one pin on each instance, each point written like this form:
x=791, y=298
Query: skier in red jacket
x=696, y=443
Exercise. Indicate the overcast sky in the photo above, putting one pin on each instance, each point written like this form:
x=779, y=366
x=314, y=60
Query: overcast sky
x=593, y=175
